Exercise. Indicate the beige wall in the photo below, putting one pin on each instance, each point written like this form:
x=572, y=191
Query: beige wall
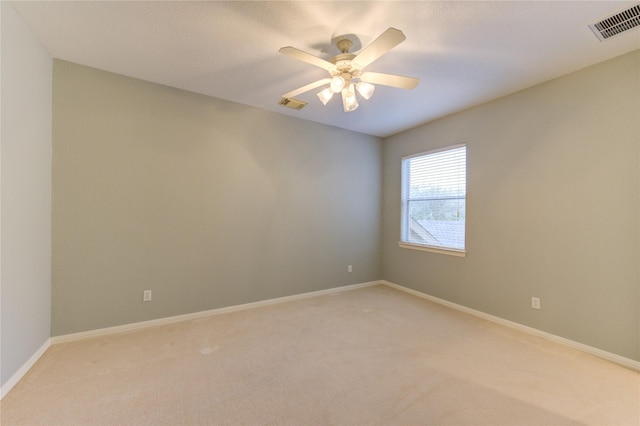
x=25, y=266
x=205, y=202
x=552, y=211
x=210, y=204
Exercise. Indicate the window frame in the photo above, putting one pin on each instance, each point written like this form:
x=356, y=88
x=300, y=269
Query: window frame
x=404, y=243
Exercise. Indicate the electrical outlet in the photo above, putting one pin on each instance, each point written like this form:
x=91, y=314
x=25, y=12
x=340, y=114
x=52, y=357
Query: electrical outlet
x=350, y=268
x=535, y=302
x=146, y=296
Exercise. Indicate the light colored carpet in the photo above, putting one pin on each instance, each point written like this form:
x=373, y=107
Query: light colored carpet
x=371, y=356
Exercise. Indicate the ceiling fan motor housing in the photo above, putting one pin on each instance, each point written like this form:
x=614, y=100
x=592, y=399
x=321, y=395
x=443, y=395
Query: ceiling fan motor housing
x=344, y=67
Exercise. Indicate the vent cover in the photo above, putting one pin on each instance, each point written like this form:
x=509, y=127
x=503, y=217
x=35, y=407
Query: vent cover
x=292, y=103
x=618, y=23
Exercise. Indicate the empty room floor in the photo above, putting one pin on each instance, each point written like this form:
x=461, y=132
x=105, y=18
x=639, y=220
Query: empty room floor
x=369, y=356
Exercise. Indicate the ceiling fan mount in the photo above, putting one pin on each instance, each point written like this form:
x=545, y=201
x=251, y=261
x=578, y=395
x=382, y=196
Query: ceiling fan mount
x=344, y=45
x=345, y=67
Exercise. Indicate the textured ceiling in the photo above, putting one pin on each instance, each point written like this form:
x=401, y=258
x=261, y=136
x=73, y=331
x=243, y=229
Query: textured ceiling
x=464, y=53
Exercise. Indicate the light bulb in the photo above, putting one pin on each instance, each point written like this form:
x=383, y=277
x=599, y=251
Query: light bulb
x=365, y=89
x=325, y=95
x=337, y=84
x=349, y=101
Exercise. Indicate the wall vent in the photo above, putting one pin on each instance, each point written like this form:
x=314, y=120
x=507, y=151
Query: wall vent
x=292, y=103
x=618, y=23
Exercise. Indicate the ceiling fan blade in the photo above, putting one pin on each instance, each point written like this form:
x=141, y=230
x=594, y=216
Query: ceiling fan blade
x=306, y=88
x=390, y=80
x=378, y=47
x=308, y=58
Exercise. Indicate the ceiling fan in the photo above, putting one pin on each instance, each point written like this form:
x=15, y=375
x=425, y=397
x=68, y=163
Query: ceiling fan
x=346, y=72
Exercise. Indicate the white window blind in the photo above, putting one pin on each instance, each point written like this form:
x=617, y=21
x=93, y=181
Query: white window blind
x=434, y=198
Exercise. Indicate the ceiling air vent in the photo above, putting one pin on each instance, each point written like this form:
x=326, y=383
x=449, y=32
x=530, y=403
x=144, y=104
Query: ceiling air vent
x=618, y=23
x=292, y=103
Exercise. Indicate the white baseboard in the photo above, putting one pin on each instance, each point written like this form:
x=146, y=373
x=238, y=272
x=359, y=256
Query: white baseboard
x=15, y=378
x=195, y=315
x=625, y=362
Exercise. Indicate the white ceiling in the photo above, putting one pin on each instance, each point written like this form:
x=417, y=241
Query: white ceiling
x=464, y=53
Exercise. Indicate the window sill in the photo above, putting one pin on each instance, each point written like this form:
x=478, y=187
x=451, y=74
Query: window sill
x=440, y=250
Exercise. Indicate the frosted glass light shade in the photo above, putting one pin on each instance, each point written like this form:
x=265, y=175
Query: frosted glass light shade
x=349, y=101
x=337, y=84
x=325, y=96
x=365, y=89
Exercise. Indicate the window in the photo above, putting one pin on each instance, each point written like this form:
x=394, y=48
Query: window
x=434, y=200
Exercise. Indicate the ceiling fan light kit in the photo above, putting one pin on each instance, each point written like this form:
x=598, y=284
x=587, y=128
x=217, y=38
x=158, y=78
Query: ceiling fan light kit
x=325, y=96
x=365, y=89
x=337, y=84
x=346, y=67
x=349, y=101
